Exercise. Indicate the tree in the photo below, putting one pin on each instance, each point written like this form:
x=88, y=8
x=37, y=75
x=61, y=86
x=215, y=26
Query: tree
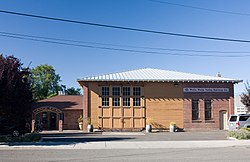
x=15, y=89
x=45, y=82
x=73, y=91
x=245, y=97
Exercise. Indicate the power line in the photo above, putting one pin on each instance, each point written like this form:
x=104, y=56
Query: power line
x=121, y=49
x=127, y=46
x=127, y=28
x=201, y=8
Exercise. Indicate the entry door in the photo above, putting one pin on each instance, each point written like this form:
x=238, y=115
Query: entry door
x=53, y=121
x=223, y=120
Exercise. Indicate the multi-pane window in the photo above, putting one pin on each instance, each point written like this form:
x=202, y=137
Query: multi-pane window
x=137, y=91
x=126, y=96
x=208, y=110
x=137, y=96
x=126, y=101
x=105, y=101
x=137, y=101
x=195, y=109
x=105, y=91
x=116, y=91
x=116, y=101
x=126, y=91
x=105, y=96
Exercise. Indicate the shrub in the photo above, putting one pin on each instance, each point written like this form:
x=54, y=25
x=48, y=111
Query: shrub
x=5, y=138
x=173, y=123
x=240, y=134
x=80, y=119
x=248, y=129
x=29, y=137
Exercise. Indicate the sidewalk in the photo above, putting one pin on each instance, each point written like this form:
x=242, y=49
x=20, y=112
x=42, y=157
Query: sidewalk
x=128, y=145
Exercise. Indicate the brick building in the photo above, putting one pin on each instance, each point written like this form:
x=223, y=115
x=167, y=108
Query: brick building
x=127, y=100
x=58, y=112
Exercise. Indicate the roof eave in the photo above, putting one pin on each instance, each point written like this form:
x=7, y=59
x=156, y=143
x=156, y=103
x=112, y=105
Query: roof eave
x=149, y=80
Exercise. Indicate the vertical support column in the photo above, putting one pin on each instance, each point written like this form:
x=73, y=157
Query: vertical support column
x=231, y=106
x=60, y=125
x=33, y=125
x=85, y=105
x=131, y=106
x=231, y=101
x=111, y=107
x=202, y=110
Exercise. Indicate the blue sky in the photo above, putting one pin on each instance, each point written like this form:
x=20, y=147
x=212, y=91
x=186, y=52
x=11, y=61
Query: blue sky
x=76, y=62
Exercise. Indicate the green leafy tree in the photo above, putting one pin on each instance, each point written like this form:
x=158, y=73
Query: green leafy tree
x=73, y=91
x=45, y=82
x=245, y=97
x=15, y=89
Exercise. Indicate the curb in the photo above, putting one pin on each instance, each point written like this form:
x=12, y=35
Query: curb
x=128, y=145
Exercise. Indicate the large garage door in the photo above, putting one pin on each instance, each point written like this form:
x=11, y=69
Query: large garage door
x=122, y=118
x=121, y=111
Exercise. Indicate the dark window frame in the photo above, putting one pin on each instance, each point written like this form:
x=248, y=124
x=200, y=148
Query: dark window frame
x=116, y=102
x=195, y=109
x=208, y=109
x=105, y=101
x=126, y=91
x=116, y=91
x=126, y=101
x=136, y=101
x=136, y=91
x=105, y=91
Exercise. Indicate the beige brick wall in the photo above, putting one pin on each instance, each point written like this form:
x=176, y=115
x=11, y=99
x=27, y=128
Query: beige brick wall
x=164, y=104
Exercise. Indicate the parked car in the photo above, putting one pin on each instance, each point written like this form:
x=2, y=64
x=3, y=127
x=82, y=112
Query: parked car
x=8, y=127
x=239, y=121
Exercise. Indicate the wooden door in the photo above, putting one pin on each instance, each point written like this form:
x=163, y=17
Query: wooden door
x=122, y=117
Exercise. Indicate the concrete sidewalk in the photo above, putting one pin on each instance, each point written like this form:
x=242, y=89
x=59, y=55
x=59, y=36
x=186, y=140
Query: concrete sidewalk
x=128, y=145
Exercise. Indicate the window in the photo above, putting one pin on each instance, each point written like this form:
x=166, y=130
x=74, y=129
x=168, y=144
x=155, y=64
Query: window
x=126, y=96
x=137, y=91
x=126, y=101
x=105, y=91
x=136, y=101
x=116, y=91
x=105, y=101
x=195, y=109
x=233, y=118
x=126, y=91
x=243, y=118
x=137, y=94
x=116, y=101
x=208, y=110
x=105, y=96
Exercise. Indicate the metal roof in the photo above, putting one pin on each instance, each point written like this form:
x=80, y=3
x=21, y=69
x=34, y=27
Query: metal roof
x=149, y=75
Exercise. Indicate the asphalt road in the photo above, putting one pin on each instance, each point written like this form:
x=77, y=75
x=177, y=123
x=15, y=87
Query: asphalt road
x=226, y=154
x=137, y=136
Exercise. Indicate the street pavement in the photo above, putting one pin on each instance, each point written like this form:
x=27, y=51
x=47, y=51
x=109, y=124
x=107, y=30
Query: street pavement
x=129, y=140
x=128, y=146
x=225, y=154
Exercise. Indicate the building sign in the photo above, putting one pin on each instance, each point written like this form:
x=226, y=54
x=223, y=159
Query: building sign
x=204, y=90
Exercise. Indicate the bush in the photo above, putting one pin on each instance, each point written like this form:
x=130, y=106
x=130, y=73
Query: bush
x=29, y=137
x=240, y=134
x=5, y=138
x=248, y=129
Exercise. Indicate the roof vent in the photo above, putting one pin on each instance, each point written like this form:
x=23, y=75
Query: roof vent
x=218, y=74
